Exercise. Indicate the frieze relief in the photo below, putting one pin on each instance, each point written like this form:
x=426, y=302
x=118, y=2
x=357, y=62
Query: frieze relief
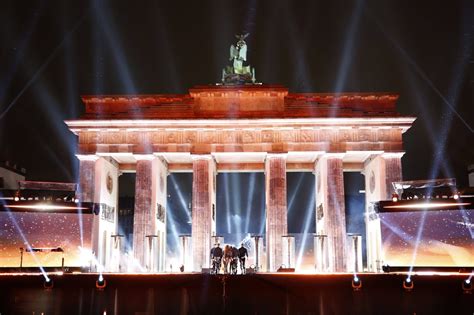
x=106, y=212
x=228, y=136
x=160, y=213
x=319, y=212
x=207, y=137
x=268, y=136
x=157, y=137
x=287, y=136
x=345, y=135
x=132, y=137
x=306, y=135
x=353, y=139
x=190, y=136
x=249, y=136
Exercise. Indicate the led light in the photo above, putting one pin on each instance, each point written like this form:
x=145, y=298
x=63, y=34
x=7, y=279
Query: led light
x=45, y=207
x=48, y=284
x=428, y=205
x=408, y=284
x=17, y=198
x=356, y=283
x=456, y=196
x=394, y=197
x=100, y=284
x=467, y=286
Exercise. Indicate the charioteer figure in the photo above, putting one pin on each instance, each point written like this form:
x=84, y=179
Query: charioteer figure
x=238, y=73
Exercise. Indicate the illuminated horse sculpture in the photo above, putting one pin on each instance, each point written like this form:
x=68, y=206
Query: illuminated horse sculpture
x=238, y=73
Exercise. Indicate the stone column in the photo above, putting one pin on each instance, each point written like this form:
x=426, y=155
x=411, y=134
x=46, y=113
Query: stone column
x=149, y=218
x=203, y=210
x=86, y=177
x=86, y=191
x=98, y=183
x=380, y=172
x=330, y=209
x=276, y=208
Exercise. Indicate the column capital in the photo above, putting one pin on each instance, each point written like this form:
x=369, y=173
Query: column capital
x=144, y=157
x=334, y=155
x=393, y=154
x=163, y=160
x=87, y=157
x=195, y=157
x=328, y=155
x=276, y=156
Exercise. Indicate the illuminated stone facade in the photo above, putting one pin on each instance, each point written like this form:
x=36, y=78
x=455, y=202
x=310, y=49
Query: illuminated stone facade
x=259, y=128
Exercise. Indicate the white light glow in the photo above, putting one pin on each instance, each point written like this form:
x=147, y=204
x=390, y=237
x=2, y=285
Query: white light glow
x=428, y=205
x=46, y=207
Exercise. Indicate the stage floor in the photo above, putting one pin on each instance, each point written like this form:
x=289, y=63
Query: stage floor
x=265, y=293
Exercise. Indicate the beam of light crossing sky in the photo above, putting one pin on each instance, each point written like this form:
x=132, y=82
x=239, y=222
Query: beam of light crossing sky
x=249, y=200
x=309, y=212
x=182, y=201
x=26, y=242
x=43, y=66
x=347, y=51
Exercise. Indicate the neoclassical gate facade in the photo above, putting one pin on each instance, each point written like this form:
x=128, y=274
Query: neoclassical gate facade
x=249, y=128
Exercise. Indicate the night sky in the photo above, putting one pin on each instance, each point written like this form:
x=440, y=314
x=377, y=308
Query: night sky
x=52, y=52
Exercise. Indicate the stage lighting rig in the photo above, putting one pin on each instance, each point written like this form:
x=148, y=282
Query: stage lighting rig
x=48, y=284
x=408, y=284
x=467, y=286
x=356, y=283
x=100, y=284
x=395, y=197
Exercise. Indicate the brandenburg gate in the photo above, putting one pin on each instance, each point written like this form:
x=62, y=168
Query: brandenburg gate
x=232, y=127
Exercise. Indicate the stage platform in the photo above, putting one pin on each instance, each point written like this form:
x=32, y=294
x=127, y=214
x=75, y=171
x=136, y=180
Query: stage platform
x=265, y=293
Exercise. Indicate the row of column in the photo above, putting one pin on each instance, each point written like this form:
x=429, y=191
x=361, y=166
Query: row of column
x=98, y=184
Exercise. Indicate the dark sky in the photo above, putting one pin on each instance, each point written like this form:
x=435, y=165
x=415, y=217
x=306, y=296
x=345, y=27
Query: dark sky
x=51, y=52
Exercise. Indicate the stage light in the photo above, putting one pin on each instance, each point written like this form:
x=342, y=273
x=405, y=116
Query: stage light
x=76, y=200
x=356, y=283
x=394, y=197
x=100, y=284
x=428, y=205
x=48, y=283
x=467, y=286
x=47, y=207
x=456, y=196
x=17, y=198
x=386, y=268
x=408, y=284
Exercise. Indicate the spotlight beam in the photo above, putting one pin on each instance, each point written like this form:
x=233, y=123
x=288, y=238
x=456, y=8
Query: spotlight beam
x=249, y=201
x=443, y=133
x=309, y=213
x=113, y=41
x=27, y=244
x=347, y=51
x=294, y=193
x=227, y=201
x=421, y=73
x=182, y=201
x=43, y=66
x=12, y=67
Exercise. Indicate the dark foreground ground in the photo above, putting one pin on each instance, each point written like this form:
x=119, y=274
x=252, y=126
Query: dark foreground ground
x=250, y=294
